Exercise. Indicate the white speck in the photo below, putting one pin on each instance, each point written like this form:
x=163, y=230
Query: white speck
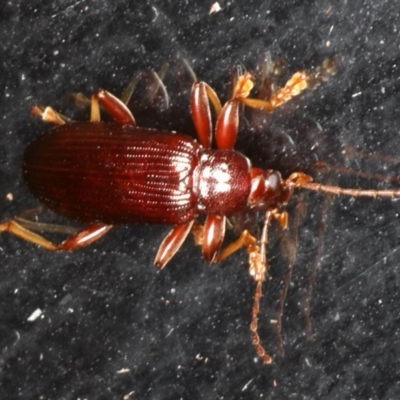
x=35, y=315
x=67, y=298
x=356, y=94
x=247, y=385
x=123, y=371
x=128, y=396
x=156, y=13
x=215, y=8
x=336, y=317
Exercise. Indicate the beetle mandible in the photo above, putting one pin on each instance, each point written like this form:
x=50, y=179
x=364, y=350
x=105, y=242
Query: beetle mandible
x=103, y=174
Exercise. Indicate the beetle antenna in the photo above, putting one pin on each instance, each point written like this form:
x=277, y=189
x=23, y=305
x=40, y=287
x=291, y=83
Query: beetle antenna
x=258, y=270
x=300, y=180
x=254, y=326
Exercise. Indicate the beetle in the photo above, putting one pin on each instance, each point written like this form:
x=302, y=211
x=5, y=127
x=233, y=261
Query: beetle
x=107, y=173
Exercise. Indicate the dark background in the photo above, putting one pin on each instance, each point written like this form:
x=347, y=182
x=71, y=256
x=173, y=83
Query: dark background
x=184, y=332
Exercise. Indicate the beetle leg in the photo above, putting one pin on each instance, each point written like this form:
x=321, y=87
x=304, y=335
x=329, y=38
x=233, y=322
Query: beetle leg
x=244, y=240
x=155, y=89
x=80, y=239
x=49, y=115
x=257, y=264
x=201, y=115
x=79, y=99
x=29, y=220
x=156, y=85
x=114, y=106
x=18, y=230
x=258, y=271
x=294, y=86
x=270, y=71
x=200, y=99
x=213, y=235
x=171, y=244
x=128, y=91
x=84, y=237
x=227, y=126
x=95, y=109
x=45, y=227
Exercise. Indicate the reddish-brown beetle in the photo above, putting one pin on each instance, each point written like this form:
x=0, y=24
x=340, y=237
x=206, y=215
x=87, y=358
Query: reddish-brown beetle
x=103, y=174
